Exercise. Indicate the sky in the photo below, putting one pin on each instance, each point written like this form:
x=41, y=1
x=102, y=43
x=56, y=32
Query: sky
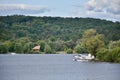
x=103, y=9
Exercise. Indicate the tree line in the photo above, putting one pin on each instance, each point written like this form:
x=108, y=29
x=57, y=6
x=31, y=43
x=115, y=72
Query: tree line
x=20, y=34
x=41, y=28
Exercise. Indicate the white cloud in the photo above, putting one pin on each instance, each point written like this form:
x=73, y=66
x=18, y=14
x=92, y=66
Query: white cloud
x=108, y=6
x=105, y=9
x=8, y=9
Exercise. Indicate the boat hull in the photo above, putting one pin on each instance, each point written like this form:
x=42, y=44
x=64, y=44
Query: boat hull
x=82, y=57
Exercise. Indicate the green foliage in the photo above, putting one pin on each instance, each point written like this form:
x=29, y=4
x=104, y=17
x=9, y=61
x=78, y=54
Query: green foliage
x=79, y=49
x=41, y=28
x=3, y=48
x=18, y=48
x=89, y=33
x=11, y=48
x=70, y=44
x=93, y=41
x=21, y=33
x=59, y=45
x=114, y=44
x=65, y=48
x=110, y=55
x=69, y=51
x=53, y=39
x=42, y=45
x=115, y=54
x=47, y=49
x=101, y=54
x=28, y=47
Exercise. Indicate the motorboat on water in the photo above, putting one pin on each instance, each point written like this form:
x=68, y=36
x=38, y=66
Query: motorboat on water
x=83, y=57
x=13, y=53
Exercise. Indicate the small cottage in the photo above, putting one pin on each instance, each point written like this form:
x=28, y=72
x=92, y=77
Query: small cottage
x=36, y=48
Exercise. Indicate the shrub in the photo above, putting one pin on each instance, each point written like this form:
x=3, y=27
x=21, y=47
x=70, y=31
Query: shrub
x=80, y=49
x=101, y=54
x=69, y=51
x=47, y=49
x=109, y=55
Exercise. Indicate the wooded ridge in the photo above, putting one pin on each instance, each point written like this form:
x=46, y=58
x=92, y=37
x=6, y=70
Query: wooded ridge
x=41, y=28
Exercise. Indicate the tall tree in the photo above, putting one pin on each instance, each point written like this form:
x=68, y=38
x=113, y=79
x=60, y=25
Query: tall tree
x=93, y=41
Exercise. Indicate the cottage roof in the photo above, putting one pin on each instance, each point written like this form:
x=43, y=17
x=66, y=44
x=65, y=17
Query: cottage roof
x=36, y=47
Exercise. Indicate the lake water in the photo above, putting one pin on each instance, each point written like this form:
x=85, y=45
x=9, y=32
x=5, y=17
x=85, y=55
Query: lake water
x=54, y=67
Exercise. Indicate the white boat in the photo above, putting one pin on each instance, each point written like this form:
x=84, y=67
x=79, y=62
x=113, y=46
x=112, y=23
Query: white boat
x=13, y=53
x=83, y=57
x=80, y=60
x=77, y=56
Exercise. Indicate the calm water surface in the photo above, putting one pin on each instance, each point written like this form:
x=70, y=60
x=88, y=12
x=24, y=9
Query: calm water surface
x=54, y=67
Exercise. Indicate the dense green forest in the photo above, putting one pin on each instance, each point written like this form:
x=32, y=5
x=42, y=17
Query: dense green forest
x=20, y=34
x=41, y=28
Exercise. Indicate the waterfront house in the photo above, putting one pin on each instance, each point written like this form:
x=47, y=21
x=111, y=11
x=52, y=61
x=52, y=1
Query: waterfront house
x=36, y=48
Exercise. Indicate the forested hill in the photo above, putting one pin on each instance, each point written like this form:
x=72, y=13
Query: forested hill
x=42, y=28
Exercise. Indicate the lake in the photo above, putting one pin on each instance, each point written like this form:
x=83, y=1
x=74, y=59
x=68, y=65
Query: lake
x=54, y=67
